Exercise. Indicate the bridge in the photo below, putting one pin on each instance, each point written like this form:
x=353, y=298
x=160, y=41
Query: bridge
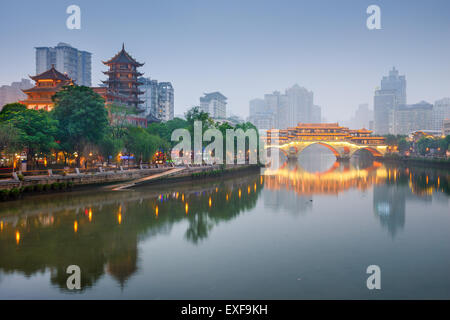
x=342, y=141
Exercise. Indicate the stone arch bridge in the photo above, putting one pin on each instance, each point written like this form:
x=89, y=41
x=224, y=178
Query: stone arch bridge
x=343, y=142
x=341, y=149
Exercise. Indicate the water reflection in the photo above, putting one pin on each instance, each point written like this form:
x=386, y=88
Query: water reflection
x=292, y=187
x=53, y=233
x=100, y=231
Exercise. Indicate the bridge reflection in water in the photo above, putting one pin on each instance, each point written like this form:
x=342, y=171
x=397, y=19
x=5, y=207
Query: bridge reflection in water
x=339, y=177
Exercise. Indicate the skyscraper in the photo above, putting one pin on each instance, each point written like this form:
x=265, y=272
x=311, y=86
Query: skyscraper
x=391, y=94
x=287, y=110
x=13, y=93
x=66, y=59
x=362, y=118
x=300, y=105
x=441, y=111
x=165, y=101
x=149, y=87
x=409, y=118
x=215, y=104
x=158, y=99
x=397, y=83
x=261, y=114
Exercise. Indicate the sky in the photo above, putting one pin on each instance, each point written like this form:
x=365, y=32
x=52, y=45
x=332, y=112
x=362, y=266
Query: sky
x=246, y=48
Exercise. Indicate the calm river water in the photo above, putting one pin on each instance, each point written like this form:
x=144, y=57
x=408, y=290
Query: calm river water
x=308, y=230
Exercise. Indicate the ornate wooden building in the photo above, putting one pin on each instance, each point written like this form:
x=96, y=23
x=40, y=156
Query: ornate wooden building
x=47, y=84
x=122, y=83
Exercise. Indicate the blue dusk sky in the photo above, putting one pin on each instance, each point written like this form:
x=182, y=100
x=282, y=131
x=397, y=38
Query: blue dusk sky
x=246, y=48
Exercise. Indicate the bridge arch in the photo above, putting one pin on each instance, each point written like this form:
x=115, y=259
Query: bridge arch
x=374, y=152
x=324, y=144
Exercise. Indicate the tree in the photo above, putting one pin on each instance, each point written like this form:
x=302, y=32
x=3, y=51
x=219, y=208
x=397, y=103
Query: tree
x=142, y=144
x=165, y=129
x=110, y=146
x=403, y=145
x=82, y=118
x=119, y=119
x=9, y=110
x=36, y=130
x=9, y=138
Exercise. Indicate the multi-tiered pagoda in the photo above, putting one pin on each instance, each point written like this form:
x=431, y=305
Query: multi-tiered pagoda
x=47, y=85
x=122, y=84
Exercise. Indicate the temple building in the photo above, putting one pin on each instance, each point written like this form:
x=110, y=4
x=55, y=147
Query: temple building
x=122, y=83
x=322, y=132
x=46, y=85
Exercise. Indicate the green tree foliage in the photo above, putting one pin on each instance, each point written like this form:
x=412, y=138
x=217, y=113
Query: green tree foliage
x=36, y=130
x=403, y=145
x=82, y=118
x=110, y=146
x=142, y=144
x=165, y=129
x=9, y=138
x=119, y=122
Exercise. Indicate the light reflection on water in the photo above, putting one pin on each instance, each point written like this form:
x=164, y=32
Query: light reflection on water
x=251, y=236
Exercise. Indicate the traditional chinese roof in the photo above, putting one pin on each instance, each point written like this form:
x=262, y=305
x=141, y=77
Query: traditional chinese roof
x=45, y=89
x=213, y=95
x=123, y=57
x=51, y=74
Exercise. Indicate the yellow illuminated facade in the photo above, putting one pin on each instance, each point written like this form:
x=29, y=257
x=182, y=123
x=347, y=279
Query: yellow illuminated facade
x=342, y=141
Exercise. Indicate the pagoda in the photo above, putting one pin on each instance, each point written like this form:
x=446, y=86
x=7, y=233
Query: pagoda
x=122, y=83
x=47, y=84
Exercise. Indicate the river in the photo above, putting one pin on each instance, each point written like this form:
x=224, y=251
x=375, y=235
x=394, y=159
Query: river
x=307, y=230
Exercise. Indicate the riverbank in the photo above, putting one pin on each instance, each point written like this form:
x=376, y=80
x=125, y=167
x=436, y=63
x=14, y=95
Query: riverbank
x=13, y=189
x=423, y=162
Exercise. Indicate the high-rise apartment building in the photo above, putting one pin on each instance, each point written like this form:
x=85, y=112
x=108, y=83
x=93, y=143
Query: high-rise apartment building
x=300, y=105
x=158, y=99
x=441, y=111
x=149, y=88
x=215, y=104
x=316, y=114
x=66, y=59
x=391, y=94
x=410, y=118
x=362, y=118
x=165, y=105
x=13, y=92
x=281, y=111
x=397, y=83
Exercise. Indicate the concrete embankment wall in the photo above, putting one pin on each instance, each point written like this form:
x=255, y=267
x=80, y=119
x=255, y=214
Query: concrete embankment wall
x=210, y=172
x=82, y=179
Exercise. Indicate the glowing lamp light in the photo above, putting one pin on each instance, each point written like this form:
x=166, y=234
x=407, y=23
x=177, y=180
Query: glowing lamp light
x=186, y=208
x=210, y=202
x=17, y=237
x=156, y=211
x=75, y=226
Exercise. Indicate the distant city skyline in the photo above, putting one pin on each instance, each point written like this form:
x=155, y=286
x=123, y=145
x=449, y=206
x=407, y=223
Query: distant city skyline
x=246, y=49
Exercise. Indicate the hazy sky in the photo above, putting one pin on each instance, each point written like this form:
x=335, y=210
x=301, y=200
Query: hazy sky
x=245, y=48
